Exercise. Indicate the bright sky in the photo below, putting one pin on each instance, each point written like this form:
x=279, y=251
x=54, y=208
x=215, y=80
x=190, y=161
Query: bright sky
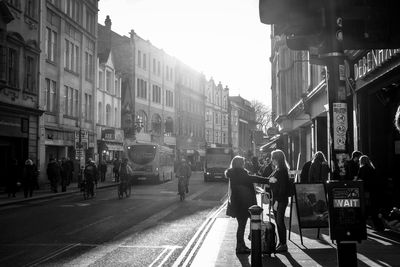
x=224, y=39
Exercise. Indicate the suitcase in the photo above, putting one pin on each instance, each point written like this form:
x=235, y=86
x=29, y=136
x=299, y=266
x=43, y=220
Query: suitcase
x=268, y=234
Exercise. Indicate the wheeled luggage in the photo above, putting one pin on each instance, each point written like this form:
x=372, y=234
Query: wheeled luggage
x=268, y=234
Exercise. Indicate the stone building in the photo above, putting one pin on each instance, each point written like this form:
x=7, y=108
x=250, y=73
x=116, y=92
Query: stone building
x=19, y=84
x=216, y=115
x=67, y=80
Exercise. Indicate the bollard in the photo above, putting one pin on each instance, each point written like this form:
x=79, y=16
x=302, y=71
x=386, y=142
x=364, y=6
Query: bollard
x=255, y=226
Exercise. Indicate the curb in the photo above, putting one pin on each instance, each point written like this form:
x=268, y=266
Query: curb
x=51, y=195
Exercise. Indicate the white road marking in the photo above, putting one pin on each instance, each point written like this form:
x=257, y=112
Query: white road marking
x=89, y=225
x=52, y=255
x=187, y=252
x=12, y=255
x=166, y=257
x=158, y=257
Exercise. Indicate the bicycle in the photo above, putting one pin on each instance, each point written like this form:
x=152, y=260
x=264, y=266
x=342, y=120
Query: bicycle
x=181, y=187
x=124, y=187
x=87, y=189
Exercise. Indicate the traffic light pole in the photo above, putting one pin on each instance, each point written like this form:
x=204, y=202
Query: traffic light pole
x=337, y=114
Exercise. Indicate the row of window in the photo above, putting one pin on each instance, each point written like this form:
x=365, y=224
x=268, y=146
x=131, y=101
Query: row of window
x=109, y=84
x=157, y=93
x=109, y=121
x=218, y=118
x=191, y=128
x=10, y=69
x=219, y=137
x=156, y=122
x=191, y=105
x=74, y=10
x=31, y=7
x=217, y=100
x=142, y=63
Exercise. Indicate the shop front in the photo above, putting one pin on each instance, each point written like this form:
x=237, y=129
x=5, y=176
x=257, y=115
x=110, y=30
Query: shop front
x=110, y=147
x=18, y=140
x=377, y=85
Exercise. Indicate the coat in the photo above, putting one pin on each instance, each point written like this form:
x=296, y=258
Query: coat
x=319, y=172
x=243, y=195
x=281, y=189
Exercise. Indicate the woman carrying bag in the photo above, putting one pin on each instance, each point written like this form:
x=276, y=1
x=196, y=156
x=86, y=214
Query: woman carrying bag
x=241, y=197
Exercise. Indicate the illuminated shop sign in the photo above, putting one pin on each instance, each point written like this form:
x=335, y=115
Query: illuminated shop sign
x=372, y=60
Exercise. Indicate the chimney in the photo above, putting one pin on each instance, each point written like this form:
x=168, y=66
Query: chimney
x=107, y=23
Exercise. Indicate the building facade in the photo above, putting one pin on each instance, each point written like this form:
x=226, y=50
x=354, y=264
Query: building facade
x=190, y=114
x=68, y=83
x=147, y=87
x=110, y=136
x=216, y=115
x=299, y=103
x=19, y=84
x=246, y=125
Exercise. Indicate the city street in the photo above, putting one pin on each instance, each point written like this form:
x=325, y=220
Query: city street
x=150, y=228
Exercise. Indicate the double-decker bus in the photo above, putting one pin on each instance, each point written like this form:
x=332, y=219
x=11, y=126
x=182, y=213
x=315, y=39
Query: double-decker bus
x=217, y=160
x=151, y=162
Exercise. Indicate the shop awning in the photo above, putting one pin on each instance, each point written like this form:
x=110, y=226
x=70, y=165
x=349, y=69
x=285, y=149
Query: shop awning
x=271, y=145
x=115, y=147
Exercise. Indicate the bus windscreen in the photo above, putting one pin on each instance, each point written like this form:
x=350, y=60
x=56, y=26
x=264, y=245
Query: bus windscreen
x=142, y=154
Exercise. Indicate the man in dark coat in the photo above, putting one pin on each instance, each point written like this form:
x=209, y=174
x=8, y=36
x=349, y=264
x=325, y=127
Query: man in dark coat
x=53, y=174
x=305, y=171
x=91, y=174
x=117, y=164
x=103, y=170
x=64, y=174
x=184, y=171
x=352, y=165
x=29, y=177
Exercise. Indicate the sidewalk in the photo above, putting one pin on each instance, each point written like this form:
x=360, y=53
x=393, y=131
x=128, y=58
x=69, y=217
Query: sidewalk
x=218, y=247
x=45, y=192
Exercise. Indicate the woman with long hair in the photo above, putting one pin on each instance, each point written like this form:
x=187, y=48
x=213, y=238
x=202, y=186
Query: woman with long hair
x=242, y=197
x=319, y=169
x=280, y=188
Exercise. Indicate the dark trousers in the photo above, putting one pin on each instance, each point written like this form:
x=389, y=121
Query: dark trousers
x=279, y=215
x=28, y=190
x=103, y=176
x=54, y=184
x=116, y=176
x=242, y=221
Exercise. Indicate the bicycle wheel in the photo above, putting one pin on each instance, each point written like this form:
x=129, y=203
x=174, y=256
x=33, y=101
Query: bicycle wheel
x=128, y=190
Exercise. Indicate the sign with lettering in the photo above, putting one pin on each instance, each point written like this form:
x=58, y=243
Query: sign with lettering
x=372, y=60
x=108, y=134
x=346, y=210
x=339, y=125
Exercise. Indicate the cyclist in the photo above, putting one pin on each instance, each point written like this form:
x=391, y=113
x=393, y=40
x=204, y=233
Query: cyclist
x=90, y=174
x=125, y=173
x=184, y=171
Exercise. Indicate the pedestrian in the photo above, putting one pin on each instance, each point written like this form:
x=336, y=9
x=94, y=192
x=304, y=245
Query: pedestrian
x=280, y=187
x=53, y=174
x=70, y=170
x=29, y=177
x=12, y=178
x=64, y=174
x=184, y=171
x=372, y=189
x=319, y=169
x=103, y=170
x=352, y=165
x=267, y=169
x=241, y=197
x=255, y=165
x=305, y=171
x=91, y=174
x=117, y=165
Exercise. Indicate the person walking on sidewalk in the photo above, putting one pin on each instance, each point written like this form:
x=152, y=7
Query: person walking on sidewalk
x=117, y=165
x=53, y=174
x=242, y=196
x=280, y=188
x=103, y=170
x=28, y=178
